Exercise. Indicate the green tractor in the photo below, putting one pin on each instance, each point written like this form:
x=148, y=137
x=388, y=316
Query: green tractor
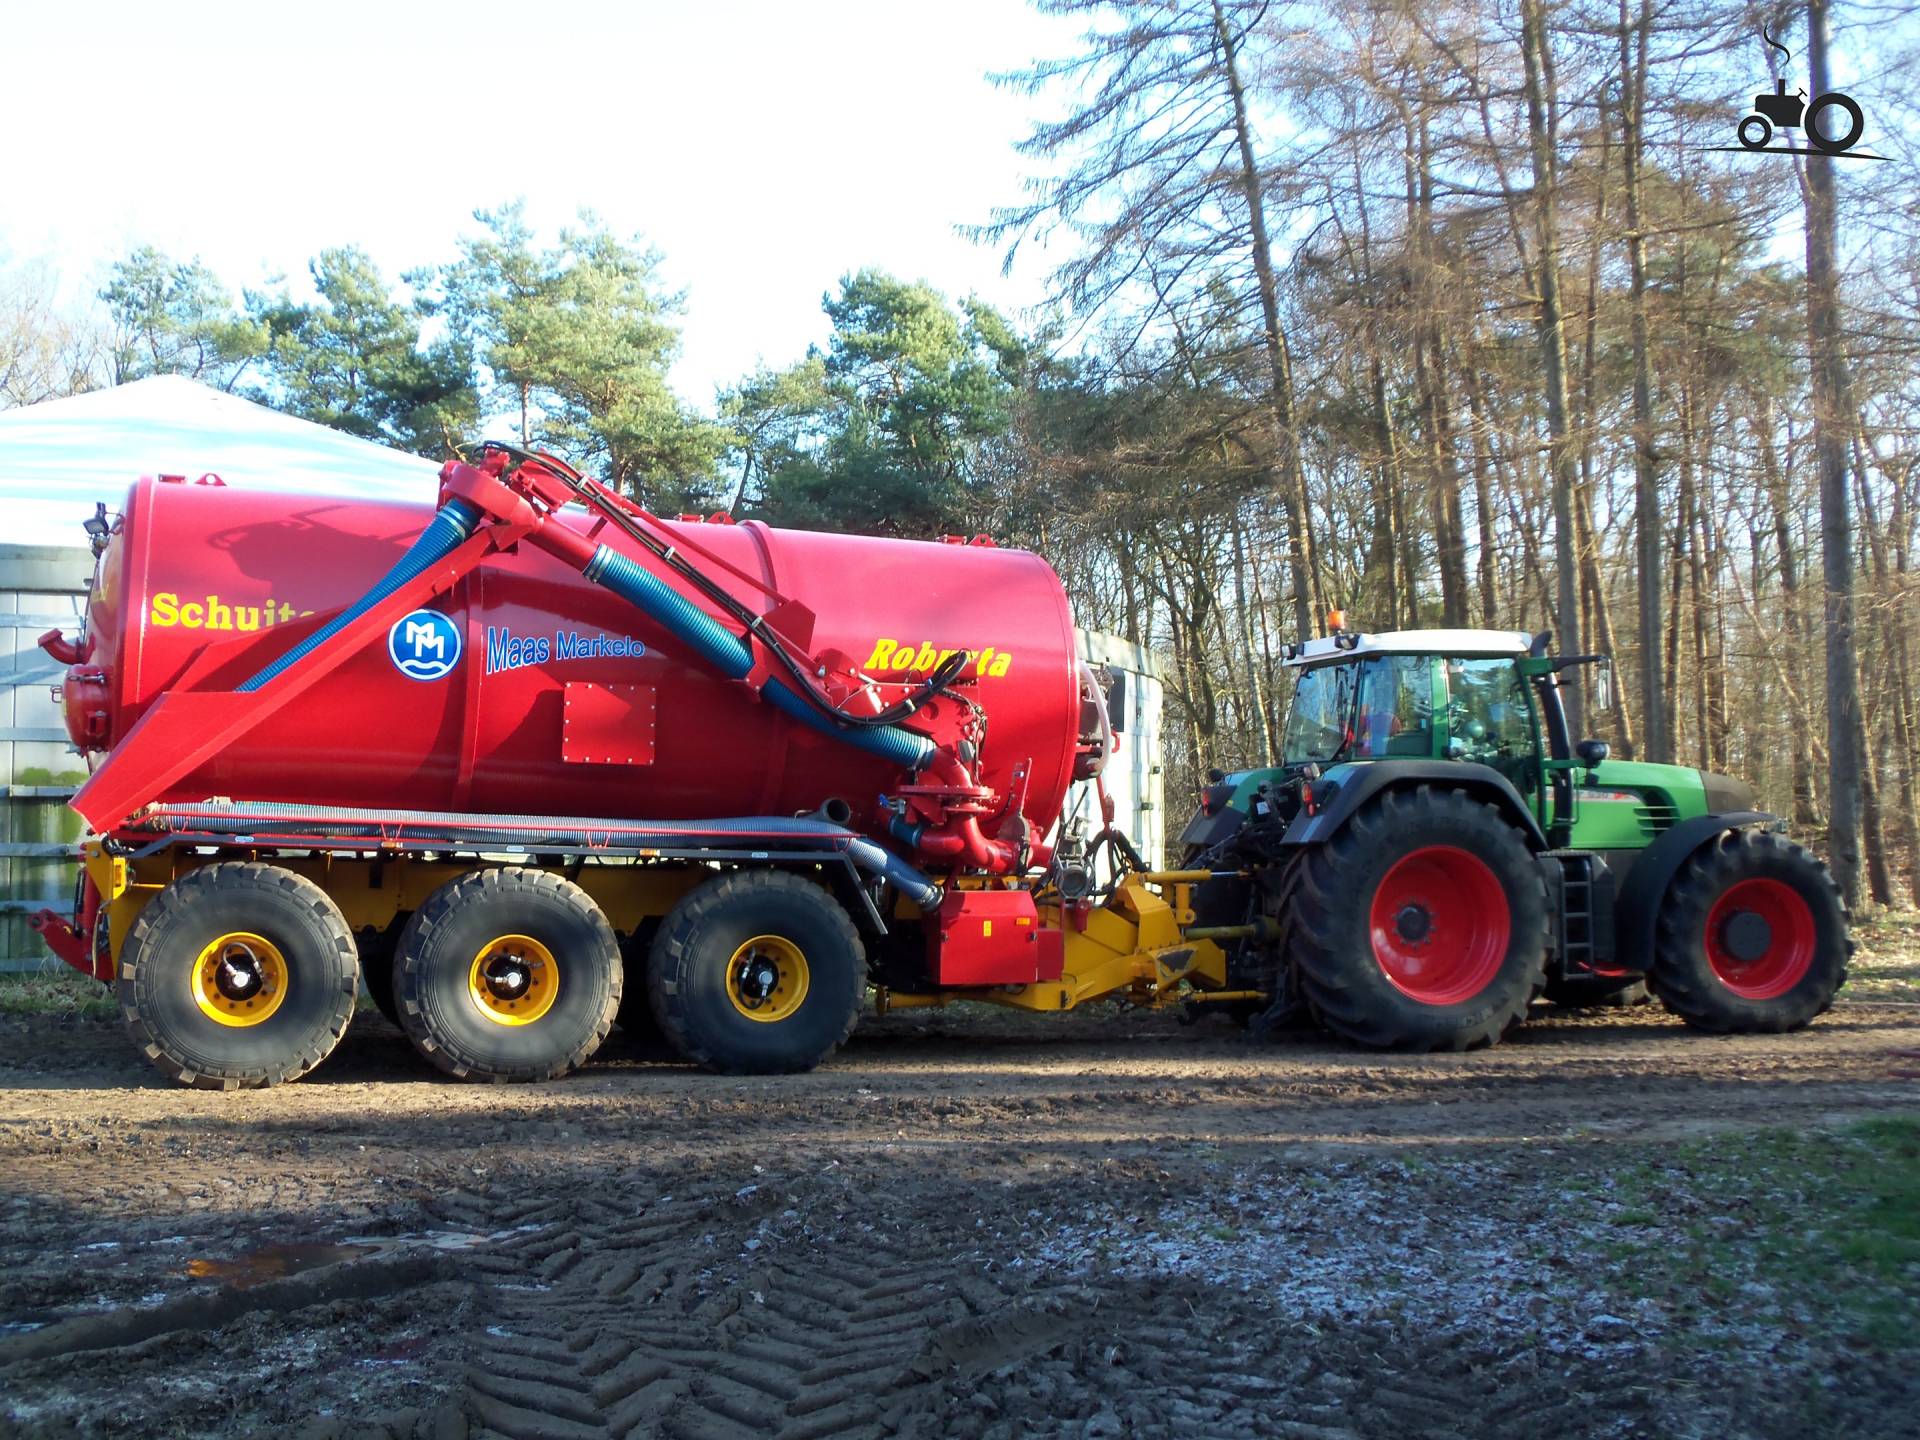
x=1434, y=853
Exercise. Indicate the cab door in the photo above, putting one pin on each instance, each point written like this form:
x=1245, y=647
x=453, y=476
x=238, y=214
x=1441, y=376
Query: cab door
x=1490, y=720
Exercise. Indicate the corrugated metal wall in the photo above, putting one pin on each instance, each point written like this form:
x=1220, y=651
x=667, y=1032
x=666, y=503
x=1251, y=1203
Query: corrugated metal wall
x=41, y=587
x=1135, y=776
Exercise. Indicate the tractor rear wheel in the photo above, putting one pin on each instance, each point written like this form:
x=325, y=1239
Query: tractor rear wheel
x=1422, y=925
x=238, y=975
x=509, y=974
x=1751, y=937
x=757, y=973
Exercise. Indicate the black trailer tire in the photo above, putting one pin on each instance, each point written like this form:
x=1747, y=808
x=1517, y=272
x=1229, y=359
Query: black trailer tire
x=1599, y=992
x=757, y=973
x=377, y=949
x=636, y=1018
x=238, y=975
x=509, y=974
x=1792, y=957
x=1459, y=950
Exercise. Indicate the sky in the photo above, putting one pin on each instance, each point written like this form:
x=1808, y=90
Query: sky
x=765, y=149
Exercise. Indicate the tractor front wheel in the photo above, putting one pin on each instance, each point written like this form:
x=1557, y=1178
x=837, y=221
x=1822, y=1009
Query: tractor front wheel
x=1752, y=937
x=1422, y=925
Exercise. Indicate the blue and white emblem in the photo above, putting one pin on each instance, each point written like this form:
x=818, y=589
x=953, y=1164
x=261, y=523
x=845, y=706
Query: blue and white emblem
x=424, y=645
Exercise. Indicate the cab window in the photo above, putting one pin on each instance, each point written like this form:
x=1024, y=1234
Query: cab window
x=1490, y=719
x=1395, y=719
x=1318, y=725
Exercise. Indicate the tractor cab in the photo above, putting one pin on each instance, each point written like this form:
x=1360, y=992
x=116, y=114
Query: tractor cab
x=1422, y=695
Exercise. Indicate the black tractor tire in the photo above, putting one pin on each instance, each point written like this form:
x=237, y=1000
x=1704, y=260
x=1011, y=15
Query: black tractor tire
x=450, y=1013
x=713, y=935
x=166, y=957
x=1448, y=861
x=376, y=949
x=1802, y=937
x=1599, y=992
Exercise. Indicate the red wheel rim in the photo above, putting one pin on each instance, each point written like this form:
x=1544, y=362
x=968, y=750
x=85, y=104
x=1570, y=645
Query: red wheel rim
x=1440, y=925
x=1760, y=938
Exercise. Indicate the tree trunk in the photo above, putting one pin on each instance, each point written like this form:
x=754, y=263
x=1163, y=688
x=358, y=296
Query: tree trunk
x=1804, y=812
x=1262, y=737
x=1833, y=412
x=1656, y=738
x=1537, y=56
x=1294, y=503
x=1482, y=496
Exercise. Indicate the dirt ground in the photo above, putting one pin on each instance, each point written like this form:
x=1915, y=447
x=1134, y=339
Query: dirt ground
x=970, y=1224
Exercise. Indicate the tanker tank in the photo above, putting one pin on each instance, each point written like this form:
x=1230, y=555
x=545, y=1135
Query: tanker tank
x=528, y=689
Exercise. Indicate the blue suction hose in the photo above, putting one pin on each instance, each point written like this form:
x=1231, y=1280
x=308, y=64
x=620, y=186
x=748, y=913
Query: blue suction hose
x=451, y=526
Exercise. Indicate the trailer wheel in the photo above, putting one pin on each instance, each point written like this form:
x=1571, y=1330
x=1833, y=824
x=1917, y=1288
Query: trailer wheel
x=1422, y=925
x=757, y=973
x=1751, y=937
x=507, y=975
x=238, y=975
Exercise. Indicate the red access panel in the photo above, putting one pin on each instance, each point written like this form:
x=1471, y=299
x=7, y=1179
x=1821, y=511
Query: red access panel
x=994, y=937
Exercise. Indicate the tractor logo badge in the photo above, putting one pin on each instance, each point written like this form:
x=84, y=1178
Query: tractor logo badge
x=1832, y=123
x=424, y=645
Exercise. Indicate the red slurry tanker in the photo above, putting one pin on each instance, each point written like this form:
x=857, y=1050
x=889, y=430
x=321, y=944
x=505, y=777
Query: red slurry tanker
x=536, y=760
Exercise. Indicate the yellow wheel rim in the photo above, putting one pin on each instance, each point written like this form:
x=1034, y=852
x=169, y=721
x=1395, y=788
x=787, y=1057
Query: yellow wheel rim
x=767, y=979
x=514, y=980
x=240, y=979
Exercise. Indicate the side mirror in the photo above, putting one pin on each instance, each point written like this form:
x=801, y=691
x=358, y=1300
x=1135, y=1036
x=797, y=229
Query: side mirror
x=1592, y=752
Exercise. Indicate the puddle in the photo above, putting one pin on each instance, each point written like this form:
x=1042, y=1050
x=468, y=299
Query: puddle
x=272, y=1262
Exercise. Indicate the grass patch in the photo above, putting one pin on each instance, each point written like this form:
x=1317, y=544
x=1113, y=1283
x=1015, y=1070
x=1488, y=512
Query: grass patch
x=57, y=992
x=1801, y=1230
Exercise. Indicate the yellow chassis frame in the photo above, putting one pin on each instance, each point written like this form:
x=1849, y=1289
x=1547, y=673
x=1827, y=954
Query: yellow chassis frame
x=1139, y=946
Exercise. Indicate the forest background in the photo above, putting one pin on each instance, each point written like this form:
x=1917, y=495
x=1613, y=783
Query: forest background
x=1468, y=314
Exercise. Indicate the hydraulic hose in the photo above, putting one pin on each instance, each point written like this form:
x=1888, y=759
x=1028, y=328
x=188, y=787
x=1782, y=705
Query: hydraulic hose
x=450, y=527
x=907, y=880
x=732, y=657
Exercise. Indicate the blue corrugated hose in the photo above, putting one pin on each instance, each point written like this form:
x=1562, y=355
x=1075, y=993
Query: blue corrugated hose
x=729, y=654
x=452, y=525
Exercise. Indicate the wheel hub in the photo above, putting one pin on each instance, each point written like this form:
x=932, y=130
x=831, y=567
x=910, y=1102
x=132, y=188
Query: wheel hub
x=240, y=979
x=1761, y=940
x=1746, y=936
x=1440, y=925
x=515, y=980
x=757, y=980
x=239, y=976
x=767, y=978
x=1414, y=922
x=508, y=977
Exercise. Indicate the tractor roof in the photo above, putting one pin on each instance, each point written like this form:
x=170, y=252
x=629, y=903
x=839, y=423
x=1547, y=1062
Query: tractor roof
x=1414, y=642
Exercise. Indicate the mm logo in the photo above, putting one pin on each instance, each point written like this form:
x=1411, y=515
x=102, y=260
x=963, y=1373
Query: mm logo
x=424, y=645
